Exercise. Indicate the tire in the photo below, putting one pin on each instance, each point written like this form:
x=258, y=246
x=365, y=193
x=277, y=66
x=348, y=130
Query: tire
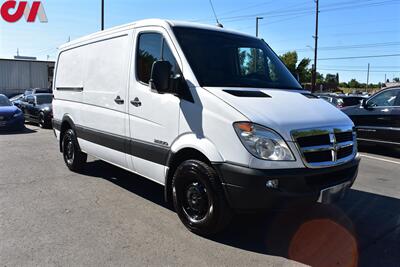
x=42, y=120
x=74, y=158
x=199, y=199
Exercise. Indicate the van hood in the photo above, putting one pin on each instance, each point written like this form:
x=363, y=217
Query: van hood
x=282, y=110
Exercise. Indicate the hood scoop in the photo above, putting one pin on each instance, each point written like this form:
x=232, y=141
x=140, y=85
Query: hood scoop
x=246, y=93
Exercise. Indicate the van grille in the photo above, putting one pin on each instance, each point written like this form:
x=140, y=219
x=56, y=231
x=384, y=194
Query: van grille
x=323, y=147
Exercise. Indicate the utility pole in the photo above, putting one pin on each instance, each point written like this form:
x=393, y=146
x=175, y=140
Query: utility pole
x=257, y=19
x=366, y=86
x=314, y=74
x=102, y=15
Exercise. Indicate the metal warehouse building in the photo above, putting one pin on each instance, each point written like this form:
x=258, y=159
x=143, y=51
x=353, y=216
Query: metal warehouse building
x=17, y=75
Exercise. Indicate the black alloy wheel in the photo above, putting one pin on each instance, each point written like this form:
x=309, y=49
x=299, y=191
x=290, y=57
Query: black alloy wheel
x=199, y=199
x=74, y=158
x=196, y=203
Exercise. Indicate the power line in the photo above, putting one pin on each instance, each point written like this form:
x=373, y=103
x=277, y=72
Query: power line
x=374, y=56
x=330, y=35
x=352, y=23
x=355, y=46
x=362, y=33
x=274, y=11
x=276, y=21
x=375, y=67
x=246, y=7
x=359, y=70
x=296, y=11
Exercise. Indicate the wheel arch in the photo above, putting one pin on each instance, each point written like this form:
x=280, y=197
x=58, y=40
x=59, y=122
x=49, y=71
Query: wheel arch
x=66, y=123
x=188, y=147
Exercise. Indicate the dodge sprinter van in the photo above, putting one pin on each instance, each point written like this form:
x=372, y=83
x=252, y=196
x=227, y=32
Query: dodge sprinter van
x=212, y=115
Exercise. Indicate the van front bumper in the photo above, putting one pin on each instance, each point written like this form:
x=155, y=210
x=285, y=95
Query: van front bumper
x=246, y=189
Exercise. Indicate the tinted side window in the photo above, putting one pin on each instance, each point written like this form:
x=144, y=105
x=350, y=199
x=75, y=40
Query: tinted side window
x=384, y=99
x=30, y=99
x=44, y=99
x=351, y=101
x=168, y=56
x=149, y=50
x=397, y=98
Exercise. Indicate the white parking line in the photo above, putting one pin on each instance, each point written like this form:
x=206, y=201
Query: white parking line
x=381, y=159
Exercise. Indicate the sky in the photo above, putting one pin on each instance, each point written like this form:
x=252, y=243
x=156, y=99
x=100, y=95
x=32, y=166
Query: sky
x=347, y=28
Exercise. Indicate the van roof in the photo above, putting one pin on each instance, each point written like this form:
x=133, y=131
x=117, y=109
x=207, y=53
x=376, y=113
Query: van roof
x=148, y=22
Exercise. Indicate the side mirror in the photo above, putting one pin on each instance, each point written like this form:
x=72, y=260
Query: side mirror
x=160, y=76
x=365, y=104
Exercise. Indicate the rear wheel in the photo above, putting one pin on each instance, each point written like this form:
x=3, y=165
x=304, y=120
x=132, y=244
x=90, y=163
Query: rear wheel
x=74, y=158
x=199, y=199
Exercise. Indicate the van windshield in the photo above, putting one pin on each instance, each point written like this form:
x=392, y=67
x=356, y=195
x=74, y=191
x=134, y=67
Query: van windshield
x=220, y=59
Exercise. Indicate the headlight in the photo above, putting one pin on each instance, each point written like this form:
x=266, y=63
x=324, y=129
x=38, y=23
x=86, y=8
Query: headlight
x=262, y=143
x=17, y=113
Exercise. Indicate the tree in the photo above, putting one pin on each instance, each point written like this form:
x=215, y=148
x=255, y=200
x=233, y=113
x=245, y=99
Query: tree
x=354, y=83
x=320, y=78
x=300, y=69
x=251, y=61
x=331, y=78
x=396, y=80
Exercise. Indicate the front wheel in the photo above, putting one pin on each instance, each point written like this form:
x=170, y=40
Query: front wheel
x=199, y=199
x=74, y=158
x=42, y=120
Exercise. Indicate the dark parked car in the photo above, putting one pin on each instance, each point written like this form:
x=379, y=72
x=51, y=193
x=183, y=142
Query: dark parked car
x=37, y=108
x=341, y=101
x=377, y=119
x=16, y=100
x=11, y=117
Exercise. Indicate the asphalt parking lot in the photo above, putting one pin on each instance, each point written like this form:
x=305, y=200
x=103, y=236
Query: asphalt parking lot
x=106, y=216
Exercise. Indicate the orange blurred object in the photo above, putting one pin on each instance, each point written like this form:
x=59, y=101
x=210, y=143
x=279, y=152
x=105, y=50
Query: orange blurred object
x=323, y=242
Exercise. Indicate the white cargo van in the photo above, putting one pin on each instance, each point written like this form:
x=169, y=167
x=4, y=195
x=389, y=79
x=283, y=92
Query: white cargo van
x=212, y=115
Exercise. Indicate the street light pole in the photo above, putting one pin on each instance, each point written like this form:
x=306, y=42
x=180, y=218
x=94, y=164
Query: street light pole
x=102, y=15
x=314, y=73
x=257, y=19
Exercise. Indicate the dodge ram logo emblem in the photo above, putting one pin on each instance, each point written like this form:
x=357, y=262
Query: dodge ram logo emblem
x=335, y=147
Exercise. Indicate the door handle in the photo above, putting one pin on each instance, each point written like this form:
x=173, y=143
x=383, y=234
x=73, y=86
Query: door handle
x=118, y=100
x=136, y=102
